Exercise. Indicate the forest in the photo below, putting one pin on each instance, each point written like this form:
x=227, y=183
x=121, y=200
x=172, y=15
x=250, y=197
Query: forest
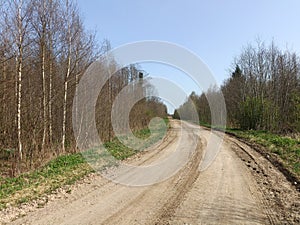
x=44, y=51
x=261, y=93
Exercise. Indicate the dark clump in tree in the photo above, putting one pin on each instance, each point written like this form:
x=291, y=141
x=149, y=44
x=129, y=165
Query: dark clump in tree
x=176, y=115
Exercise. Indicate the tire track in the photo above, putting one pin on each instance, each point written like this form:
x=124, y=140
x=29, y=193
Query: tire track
x=172, y=192
x=240, y=187
x=279, y=198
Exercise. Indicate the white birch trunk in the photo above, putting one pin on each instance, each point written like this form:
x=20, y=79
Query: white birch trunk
x=19, y=81
x=66, y=83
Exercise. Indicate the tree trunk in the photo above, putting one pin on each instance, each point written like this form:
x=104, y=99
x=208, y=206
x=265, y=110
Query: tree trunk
x=44, y=97
x=66, y=85
x=19, y=85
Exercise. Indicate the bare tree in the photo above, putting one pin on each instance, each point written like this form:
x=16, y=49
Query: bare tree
x=17, y=22
x=69, y=16
x=44, y=51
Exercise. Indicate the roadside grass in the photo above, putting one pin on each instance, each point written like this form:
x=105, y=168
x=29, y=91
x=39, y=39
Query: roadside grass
x=119, y=149
x=286, y=148
x=64, y=170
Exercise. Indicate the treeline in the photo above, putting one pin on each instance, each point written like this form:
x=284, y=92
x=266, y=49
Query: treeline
x=44, y=50
x=263, y=91
x=140, y=114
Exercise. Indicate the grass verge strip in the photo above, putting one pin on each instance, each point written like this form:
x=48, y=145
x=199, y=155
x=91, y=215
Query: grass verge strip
x=64, y=170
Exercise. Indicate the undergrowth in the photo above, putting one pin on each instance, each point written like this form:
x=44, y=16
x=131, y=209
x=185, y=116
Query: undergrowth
x=288, y=149
x=65, y=170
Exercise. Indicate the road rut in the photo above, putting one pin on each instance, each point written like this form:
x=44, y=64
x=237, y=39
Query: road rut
x=229, y=191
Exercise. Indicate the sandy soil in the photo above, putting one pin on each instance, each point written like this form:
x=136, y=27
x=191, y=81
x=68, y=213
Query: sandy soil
x=240, y=187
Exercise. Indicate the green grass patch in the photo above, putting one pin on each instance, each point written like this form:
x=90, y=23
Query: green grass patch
x=67, y=169
x=118, y=147
x=119, y=150
x=61, y=171
x=288, y=149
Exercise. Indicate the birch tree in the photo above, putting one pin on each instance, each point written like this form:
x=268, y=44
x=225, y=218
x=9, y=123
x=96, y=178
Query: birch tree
x=17, y=22
x=69, y=13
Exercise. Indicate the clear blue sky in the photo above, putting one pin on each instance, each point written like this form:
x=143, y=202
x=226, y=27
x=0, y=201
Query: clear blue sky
x=215, y=30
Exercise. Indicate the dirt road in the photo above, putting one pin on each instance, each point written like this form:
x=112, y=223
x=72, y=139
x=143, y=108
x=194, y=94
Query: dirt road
x=240, y=187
